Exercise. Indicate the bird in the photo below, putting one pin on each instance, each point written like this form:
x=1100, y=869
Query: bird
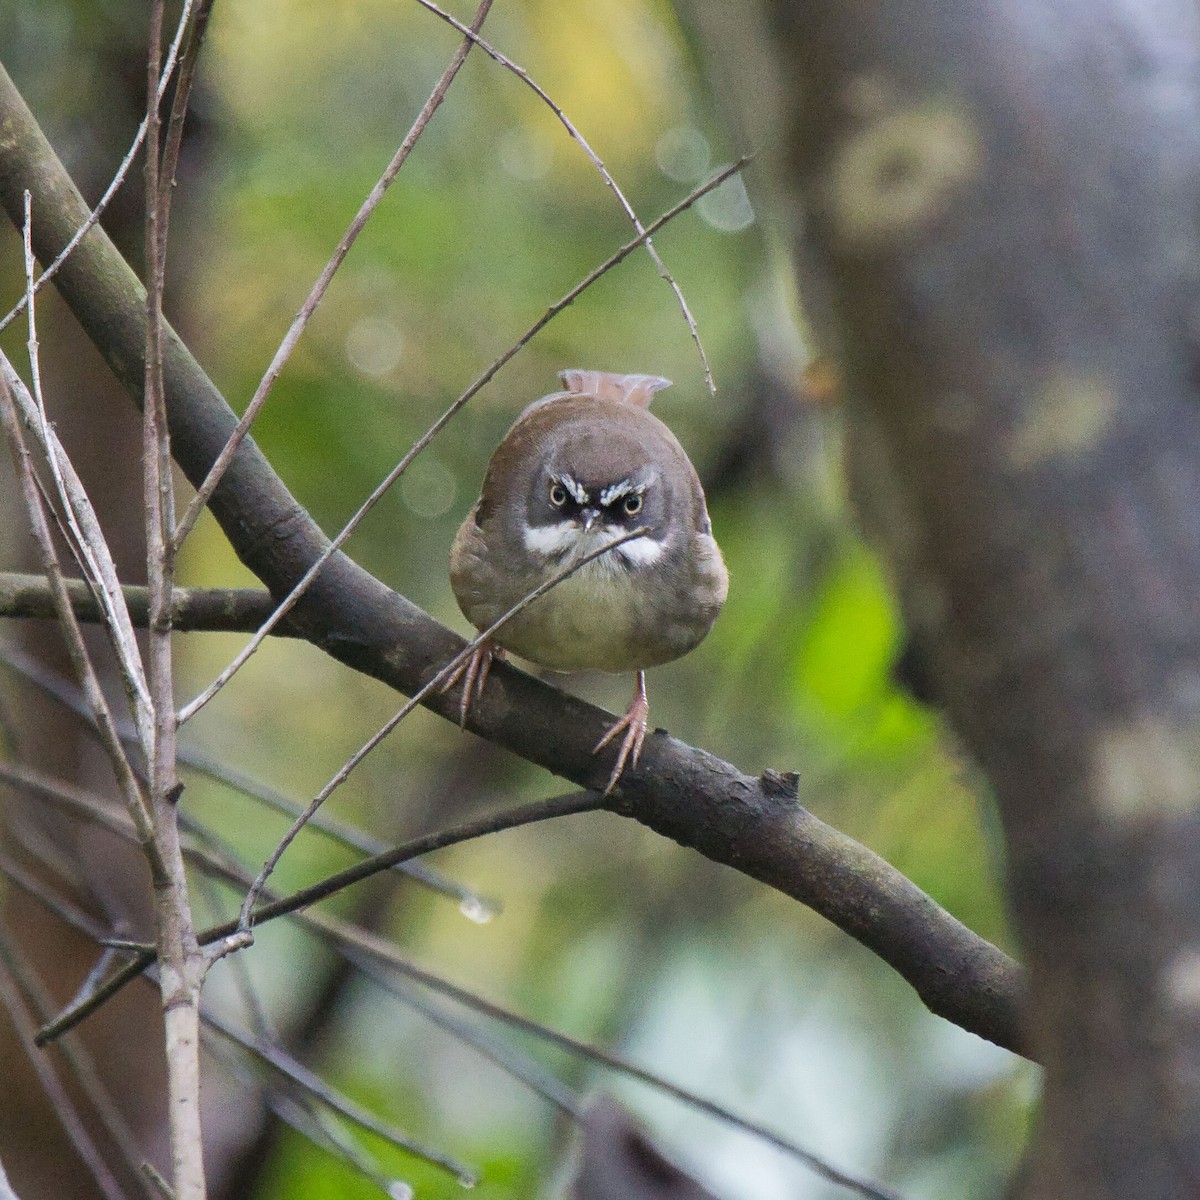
x=578, y=470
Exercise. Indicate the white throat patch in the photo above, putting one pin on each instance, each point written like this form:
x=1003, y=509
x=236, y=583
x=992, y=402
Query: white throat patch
x=566, y=540
x=640, y=551
x=551, y=541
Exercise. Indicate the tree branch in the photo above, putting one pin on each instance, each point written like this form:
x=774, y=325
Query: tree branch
x=209, y=610
x=752, y=824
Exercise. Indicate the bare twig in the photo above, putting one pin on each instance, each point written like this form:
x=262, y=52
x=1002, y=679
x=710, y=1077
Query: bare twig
x=173, y=142
x=527, y=814
x=117, y=180
x=309, y=1121
x=77, y=1058
x=377, y=958
x=160, y=1187
x=370, y=954
x=70, y=914
x=337, y=1101
x=260, y=1046
x=86, y=540
x=183, y=963
x=571, y=296
x=474, y=906
x=507, y=1058
x=85, y=535
x=208, y=610
x=442, y=677
x=568, y=125
x=93, y=693
x=206, y=489
x=68, y=1116
x=103, y=992
x=471, y=903
x=289, y=601
x=292, y=1104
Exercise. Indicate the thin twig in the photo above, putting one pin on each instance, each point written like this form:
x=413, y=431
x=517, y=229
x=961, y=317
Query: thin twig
x=206, y=610
x=114, y=185
x=86, y=541
x=70, y=914
x=56, y=1093
x=507, y=1058
x=173, y=142
x=289, y=601
x=117, y=180
x=30, y=833
x=369, y=953
x=299, y=1110
x=183, y=963
x=161, y=1188
x=337, y=1101
x=473, y=905
x=79, y=921
x=442, y=676
x=86, y=537
x=78, y=1060
x=375, y=958
x=217, y=470
x=594, y=158
x=308, y=1121
x=528, y=814
x=571, y=296
x=361, y=949
x=75, y=1012
x=95, y=1090
x=131, y=790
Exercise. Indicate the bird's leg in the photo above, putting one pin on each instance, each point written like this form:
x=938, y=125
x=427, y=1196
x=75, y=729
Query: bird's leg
x=473, y=671
x=634, y=725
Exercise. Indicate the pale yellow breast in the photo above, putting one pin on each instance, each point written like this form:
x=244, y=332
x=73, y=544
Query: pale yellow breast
x=589, y=621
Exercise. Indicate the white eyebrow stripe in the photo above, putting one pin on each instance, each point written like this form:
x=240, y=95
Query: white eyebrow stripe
x=578, y=491
x=615, y=491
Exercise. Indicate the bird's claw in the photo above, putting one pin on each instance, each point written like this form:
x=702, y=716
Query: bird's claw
x=634, y=724
x=473, y=671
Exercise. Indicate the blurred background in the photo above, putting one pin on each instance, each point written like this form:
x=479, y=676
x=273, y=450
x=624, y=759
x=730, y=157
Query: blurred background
x=591, y=925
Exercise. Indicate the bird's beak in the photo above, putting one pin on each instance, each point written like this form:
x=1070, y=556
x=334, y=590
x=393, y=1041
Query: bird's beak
x=589, y=516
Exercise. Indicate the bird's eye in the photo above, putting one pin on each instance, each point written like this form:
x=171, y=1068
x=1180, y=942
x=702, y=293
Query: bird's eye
x=632, y=505
x=558, y=495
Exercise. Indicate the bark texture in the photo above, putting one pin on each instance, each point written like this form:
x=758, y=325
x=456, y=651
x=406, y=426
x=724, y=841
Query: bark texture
x=996, y=218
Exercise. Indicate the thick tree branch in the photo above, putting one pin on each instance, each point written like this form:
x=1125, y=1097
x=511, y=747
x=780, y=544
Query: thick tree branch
x=753, y=824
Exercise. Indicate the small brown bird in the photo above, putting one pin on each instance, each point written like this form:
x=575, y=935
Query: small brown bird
x=577, y=470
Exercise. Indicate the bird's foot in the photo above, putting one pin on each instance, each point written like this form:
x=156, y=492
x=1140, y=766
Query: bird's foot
x=633, y=724
x=473, y=671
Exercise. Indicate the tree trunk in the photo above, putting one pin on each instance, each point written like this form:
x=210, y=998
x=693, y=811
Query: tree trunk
x=997, y=236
